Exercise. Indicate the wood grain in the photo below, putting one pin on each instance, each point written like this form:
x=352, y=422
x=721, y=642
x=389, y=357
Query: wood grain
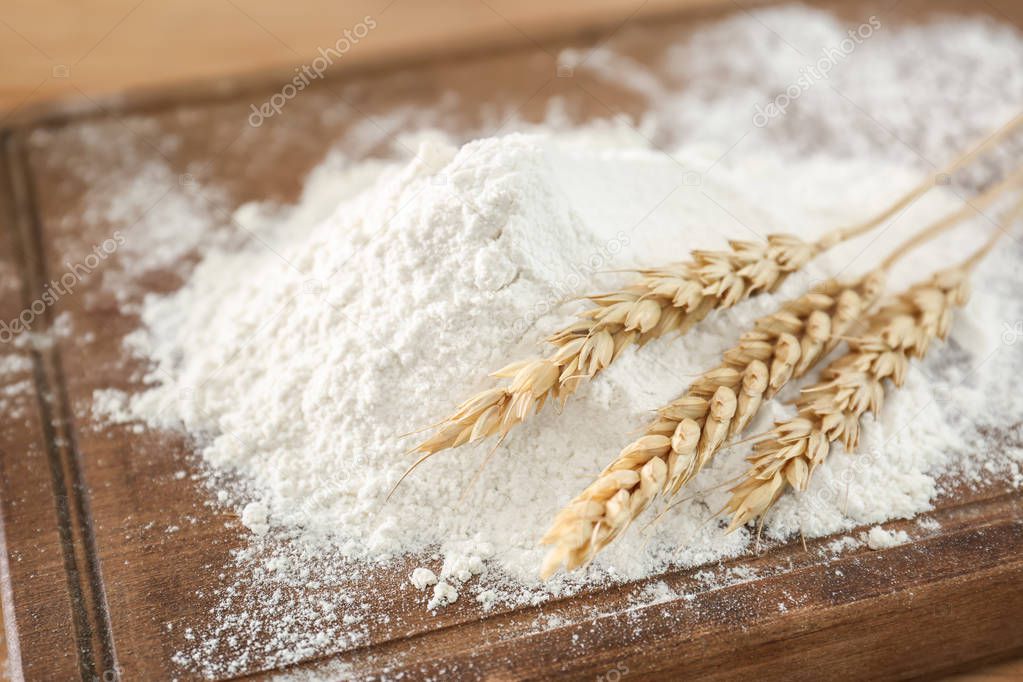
x=95, y=582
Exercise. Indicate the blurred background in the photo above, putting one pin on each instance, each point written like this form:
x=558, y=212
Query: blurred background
x=55, y=49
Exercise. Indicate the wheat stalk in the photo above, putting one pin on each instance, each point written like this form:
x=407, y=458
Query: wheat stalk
x=672, y=298
x=830, y=411
x=723, y=401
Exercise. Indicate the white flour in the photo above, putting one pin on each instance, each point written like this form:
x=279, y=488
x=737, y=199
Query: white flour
x=301, y=366
x=388, y=293
x=880, y=538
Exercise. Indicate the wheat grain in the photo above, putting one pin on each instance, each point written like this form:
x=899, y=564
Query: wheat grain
x=830, y=411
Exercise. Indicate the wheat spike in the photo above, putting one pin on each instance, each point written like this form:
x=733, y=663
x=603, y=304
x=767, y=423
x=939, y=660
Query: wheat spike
x=830, y=411
x=723, y=401
x=689, y=430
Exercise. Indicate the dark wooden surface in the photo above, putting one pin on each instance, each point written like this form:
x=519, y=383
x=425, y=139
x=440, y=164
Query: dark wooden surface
x=91, y=578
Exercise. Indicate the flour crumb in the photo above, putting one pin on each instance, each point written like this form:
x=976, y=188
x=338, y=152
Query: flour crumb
x=423, y=578
x=879, y=538
x=443, y=594
x=461, y=568
x=842, y=544
x=255, y=518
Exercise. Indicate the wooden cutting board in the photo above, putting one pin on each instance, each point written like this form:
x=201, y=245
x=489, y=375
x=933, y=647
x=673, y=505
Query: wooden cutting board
x=94, y=585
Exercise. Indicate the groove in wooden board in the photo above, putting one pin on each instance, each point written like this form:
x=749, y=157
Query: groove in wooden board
x=40, y=601
x=94, y=639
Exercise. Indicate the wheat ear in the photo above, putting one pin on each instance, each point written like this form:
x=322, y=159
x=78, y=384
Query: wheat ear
x=689, y=430
x=666, y=299
x=830, y=411
x=672, y=298
x=723, y=401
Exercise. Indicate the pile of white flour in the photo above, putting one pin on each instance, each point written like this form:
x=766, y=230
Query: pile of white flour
x=300, y=366
x=384, y=298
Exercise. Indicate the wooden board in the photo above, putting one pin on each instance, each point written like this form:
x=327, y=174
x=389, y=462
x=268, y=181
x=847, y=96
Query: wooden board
x=94, y=585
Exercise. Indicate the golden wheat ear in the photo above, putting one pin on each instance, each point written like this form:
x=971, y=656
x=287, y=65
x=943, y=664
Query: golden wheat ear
x=830, y=411
x=722, y=402
x=690, y=430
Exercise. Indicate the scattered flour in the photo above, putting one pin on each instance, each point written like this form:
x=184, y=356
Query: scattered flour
x=111, y=404
x=383, y=298
x=879, y=538
x=15, y=384
x=656, y=592
x=487, y=599
x=14, y=363
x=842, y=544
